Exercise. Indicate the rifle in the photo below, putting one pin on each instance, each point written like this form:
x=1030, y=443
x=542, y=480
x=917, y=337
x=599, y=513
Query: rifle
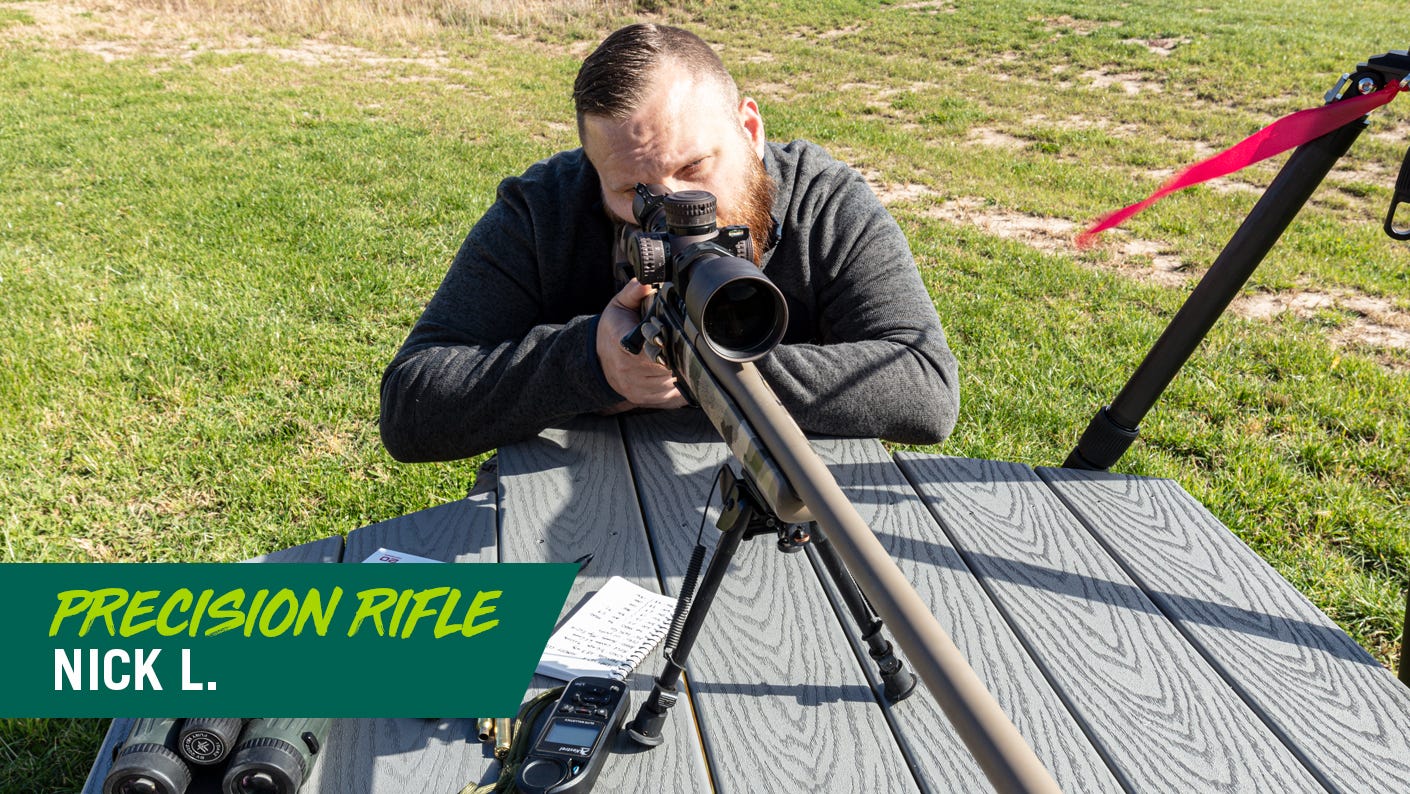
x=713, y=315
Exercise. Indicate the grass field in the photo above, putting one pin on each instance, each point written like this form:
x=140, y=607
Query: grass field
x=221, y=219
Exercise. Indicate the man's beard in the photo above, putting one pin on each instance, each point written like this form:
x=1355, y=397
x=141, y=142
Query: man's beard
x=756, y=210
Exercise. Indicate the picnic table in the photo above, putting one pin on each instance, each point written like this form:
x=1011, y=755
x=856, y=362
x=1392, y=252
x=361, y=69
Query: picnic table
x=1134, y=641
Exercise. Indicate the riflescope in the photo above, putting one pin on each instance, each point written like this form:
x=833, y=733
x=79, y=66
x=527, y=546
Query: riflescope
x=147, y=763
x=275, y=756
x=737, y=309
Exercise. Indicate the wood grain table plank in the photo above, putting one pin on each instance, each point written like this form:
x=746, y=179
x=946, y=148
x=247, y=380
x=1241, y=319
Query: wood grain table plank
x=568, y=493
x=1346, y=716
x=1162, y=718
x=782, y=703
x=884, y=498
x=465, y=530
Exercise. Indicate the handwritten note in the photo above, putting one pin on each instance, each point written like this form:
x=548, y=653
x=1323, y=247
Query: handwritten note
x=610, y=634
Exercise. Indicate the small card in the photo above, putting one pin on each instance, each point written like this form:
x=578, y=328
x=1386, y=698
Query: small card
x=387, y=555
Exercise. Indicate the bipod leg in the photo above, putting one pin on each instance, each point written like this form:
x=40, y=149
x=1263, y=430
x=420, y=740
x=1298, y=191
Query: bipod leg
x=897, y=682
x=739, y=512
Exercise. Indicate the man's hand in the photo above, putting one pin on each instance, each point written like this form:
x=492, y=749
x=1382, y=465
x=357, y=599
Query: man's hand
x=643, y=382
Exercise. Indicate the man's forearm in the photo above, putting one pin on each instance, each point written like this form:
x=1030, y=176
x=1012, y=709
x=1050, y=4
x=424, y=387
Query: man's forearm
x=446, y=401
x=906, y=392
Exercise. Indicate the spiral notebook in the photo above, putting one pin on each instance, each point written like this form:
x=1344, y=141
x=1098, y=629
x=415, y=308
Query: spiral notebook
x=610, y=635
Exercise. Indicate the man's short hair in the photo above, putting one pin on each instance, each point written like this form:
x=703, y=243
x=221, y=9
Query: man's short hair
x=614, y=79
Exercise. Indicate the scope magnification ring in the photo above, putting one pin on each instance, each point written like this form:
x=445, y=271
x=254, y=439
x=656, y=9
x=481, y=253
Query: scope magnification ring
x=689, y=209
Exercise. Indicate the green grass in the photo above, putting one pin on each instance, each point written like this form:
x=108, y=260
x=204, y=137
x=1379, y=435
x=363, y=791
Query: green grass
x=207, y=257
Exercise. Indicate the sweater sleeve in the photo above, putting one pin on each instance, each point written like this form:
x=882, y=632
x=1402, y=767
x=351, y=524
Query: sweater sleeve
x=879, y=365
x=482, y=367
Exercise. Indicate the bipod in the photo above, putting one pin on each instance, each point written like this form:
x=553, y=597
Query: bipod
x=744, y=517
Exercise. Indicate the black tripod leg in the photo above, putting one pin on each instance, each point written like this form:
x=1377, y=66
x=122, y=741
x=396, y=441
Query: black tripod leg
x=645, y=729
x=1115, y=427
x=897, y=682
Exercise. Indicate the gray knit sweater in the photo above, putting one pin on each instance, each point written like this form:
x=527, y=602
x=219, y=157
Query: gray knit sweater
x=506, y=346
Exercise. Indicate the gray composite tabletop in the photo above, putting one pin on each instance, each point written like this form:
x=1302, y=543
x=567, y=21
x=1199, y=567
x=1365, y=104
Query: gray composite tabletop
x=1132, y=639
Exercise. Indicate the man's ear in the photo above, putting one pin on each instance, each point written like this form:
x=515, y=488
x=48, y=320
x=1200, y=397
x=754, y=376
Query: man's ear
x=752, y=123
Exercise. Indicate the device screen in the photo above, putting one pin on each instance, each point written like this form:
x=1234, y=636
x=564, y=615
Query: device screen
x=570, y=734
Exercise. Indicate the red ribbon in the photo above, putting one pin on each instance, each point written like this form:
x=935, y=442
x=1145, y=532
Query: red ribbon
x=1276, y=138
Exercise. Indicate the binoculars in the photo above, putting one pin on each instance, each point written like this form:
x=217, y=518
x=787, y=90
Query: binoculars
x=260, y=756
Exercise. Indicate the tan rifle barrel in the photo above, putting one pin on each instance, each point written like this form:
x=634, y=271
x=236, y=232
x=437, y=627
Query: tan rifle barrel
x=986, y=730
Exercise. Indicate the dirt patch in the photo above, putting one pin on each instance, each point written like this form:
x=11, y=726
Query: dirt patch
x=1050, y=235
x=930, y=6
x=1082, y=27
x=1140, y=259
x=1162, y=47
x=870, y=90
x=1130, y=82
x=893, y=192
x=840, y=32
x=876, y=91
x=995, y=139
x=1396, y=134
x=1369, y=172
x=1227, y=185
x=71, y=23
x=576, y=50
x=773, y=91
x=813, y=34
x=113, y=32
x=1371, y=322
x=759, y=57
x=1375, y=322
x=1081, y=122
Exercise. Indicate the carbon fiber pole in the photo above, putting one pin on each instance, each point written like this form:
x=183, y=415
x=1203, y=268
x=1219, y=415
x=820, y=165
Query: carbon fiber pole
x=1115, y=427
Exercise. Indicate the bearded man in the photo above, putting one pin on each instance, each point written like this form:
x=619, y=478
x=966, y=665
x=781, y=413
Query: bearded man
x=525, y=329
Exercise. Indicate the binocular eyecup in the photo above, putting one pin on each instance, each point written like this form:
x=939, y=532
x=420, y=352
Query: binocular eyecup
x=274, y=756
x=146, y=763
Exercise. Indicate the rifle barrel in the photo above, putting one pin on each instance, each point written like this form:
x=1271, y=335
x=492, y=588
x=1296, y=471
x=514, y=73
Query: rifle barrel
x=1003, y=754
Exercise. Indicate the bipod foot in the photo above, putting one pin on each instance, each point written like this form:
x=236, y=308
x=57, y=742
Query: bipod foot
x=645, y=730
x=897, y=683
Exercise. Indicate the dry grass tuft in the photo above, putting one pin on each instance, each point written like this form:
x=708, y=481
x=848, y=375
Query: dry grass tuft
x=389, y=19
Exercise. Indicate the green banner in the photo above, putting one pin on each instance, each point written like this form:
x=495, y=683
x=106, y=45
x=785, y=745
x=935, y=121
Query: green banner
x=234, y=640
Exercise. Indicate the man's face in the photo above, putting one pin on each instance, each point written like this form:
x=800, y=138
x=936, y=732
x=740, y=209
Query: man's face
x=685, y=136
